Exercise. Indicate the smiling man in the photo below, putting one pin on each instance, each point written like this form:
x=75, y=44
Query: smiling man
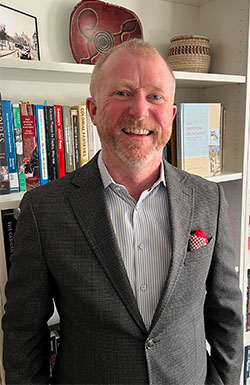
x=132, y=107
x=135, y=253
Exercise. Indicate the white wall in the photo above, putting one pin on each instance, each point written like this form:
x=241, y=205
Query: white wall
x=160, y=20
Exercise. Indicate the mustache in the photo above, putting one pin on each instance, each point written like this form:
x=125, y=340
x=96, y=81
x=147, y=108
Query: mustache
x=139, y=124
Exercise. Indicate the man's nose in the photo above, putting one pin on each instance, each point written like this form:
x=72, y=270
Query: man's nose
x=139, y=108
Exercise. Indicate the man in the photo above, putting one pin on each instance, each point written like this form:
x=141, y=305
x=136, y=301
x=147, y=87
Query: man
x=110, y=243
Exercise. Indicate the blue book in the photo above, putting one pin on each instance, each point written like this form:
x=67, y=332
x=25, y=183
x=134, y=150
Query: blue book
x=198, y=128
x=10, y=145
x=42, y=144
x=4, y=170
x=246, y=364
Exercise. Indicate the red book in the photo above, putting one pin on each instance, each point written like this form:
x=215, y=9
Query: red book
x=30, y=151
x=60, y=146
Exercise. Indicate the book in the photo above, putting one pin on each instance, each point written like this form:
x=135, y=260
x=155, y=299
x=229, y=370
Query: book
x=10, y=145
x=68, y=139
x=90, y=138
x=19, y=146
x=74, y=124
x=97, y=142
x=82, y=133
x=54, y=344
x=4, y=171
x=248, y=301
x=30, y=149
x=60, y=145
x=214, y=144
x=50, y=126
x=198, y=138
x=94, y=143
x=9, y=220
x=169, y=151
x=246, y=369
x=42, y=144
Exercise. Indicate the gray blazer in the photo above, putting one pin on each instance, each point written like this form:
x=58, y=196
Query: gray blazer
x=65, y=248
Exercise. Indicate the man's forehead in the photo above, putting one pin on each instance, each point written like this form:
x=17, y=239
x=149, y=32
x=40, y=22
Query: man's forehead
x=127, y=58
x=131, y=84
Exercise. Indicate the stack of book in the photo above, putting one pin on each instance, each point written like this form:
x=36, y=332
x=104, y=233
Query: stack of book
x=40, y=143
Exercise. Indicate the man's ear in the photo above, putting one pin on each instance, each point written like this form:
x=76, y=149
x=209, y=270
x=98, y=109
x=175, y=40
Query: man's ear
x=91, y=106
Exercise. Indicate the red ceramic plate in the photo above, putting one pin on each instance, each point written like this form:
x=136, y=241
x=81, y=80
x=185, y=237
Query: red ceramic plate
x=96, y=26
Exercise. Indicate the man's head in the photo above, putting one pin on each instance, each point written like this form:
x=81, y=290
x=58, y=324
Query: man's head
x=132, y=92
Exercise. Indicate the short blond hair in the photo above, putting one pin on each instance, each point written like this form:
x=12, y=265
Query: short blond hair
x=132, y=44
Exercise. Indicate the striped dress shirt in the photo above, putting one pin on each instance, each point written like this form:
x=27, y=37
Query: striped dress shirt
x=143, y=235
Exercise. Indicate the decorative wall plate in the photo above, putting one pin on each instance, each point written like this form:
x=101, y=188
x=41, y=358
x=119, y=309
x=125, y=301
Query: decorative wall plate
x=96, y=26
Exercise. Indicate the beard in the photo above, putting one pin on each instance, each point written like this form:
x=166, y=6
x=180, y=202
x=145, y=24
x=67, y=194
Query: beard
x=134, y=152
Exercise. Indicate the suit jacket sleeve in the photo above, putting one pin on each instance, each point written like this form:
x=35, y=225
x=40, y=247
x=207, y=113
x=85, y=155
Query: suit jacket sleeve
x=29, y=306
x=223, y=309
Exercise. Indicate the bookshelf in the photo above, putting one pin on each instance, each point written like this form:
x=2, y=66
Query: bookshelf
x=58, y=79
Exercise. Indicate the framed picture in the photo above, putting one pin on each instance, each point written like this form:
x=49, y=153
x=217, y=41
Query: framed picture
x=18, y=35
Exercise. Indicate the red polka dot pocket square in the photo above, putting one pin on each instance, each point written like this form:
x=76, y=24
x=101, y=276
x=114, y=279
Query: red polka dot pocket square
x=197, y=239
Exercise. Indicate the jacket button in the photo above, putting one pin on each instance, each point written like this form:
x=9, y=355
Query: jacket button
x=150, y=344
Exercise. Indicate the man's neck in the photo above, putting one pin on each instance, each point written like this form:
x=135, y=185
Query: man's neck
x=135, y=179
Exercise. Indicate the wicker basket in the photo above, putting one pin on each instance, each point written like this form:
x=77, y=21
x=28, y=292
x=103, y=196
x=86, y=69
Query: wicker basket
x=189, y=53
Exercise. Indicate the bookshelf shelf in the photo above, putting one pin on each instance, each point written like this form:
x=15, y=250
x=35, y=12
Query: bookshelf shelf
x=247, y=338
x=44, y=71
x=73, y=72
x=203, y=80
x=226, y=176
x=10, y=201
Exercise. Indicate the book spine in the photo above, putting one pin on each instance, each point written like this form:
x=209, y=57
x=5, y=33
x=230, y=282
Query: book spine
x=179, y=144
x=50, y=126
x=19, y=146
x=30, y=151
x=97, y=142
x=214, y=140
x=9, y=226
x=42, y=146
x=74, y=123
x=245, y=365
x=4, y=170
x=91, y=140
x=60, y=146
x=82, y=135
x=10, y=145
x=68, y=139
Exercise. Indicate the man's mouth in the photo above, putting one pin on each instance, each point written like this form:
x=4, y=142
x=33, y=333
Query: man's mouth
x=137, y=131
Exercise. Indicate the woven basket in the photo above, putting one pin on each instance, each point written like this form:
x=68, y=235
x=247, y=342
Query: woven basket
x=189, y=53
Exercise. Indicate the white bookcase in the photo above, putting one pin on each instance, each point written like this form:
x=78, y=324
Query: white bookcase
x=58, y=79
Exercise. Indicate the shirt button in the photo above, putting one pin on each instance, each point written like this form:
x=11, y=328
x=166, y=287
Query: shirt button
x=143, y=287
x=150, y=344
x=141, y=246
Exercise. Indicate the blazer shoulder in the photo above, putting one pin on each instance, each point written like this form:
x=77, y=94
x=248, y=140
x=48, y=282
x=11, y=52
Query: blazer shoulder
x=60, y=188
x=193, y=181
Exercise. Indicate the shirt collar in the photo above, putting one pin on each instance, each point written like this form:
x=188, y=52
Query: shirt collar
x=107, y=179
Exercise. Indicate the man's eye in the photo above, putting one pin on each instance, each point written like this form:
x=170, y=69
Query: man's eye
x=121, y=93
x=156, y=97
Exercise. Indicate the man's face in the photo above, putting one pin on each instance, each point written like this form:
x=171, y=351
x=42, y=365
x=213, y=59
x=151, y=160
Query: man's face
x=132, y=106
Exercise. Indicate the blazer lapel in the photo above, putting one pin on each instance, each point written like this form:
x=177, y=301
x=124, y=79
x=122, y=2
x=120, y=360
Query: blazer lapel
x=89, y=206
x=180, y=200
